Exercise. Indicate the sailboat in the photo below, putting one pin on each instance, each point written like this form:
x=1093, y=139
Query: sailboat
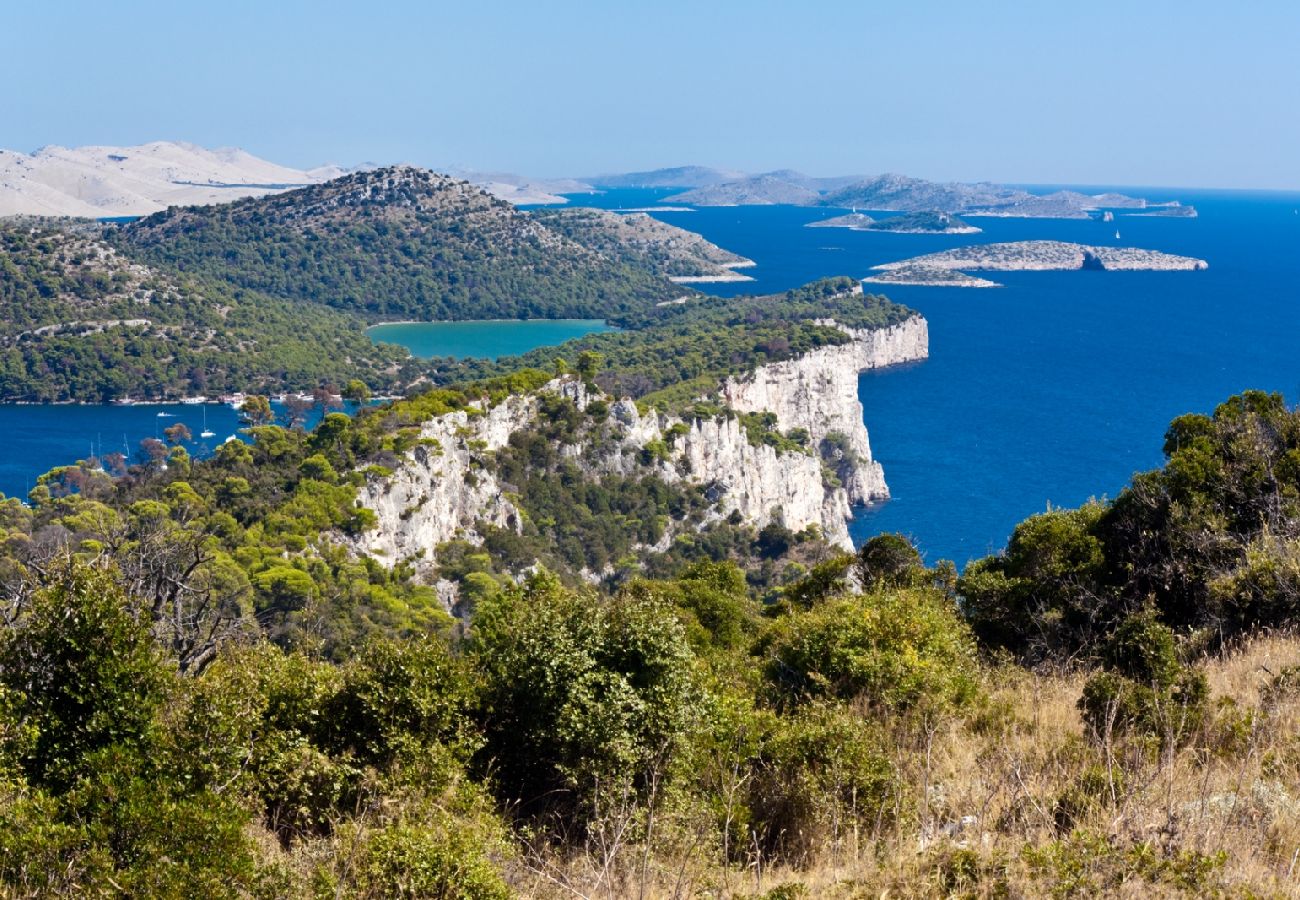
x=1117, y=234
x=205, y=433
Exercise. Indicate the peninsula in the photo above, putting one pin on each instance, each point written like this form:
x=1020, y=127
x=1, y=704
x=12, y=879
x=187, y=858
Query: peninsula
x=1019, y=256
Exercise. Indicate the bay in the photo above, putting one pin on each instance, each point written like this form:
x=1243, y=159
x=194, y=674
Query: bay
x=485, y=338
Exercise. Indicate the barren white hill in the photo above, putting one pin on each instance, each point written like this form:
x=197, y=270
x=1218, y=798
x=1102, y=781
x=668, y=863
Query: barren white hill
x=104, y=181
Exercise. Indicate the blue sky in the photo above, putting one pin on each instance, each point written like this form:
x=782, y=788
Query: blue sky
x=1151, y=93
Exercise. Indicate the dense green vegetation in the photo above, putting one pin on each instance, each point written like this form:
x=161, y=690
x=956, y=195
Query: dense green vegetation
x=271, y=294
x=1210, y=542
x=639, y=240
x=205, y=692
x=677, y=353
x=397, y=243
x=81, y=322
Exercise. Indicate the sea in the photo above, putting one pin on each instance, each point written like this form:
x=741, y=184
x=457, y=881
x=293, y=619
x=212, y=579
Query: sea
x=1057, y=387
x=1046, y=392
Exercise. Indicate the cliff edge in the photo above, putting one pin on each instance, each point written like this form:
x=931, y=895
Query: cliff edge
x=446, y=487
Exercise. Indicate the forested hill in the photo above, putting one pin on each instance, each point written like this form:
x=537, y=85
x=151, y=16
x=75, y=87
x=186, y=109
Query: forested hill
x=81, y=321
x=398, y=242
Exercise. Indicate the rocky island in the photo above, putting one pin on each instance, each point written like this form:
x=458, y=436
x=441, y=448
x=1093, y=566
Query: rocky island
x=1019, y=256
x=1173, y=210
x=927, y=222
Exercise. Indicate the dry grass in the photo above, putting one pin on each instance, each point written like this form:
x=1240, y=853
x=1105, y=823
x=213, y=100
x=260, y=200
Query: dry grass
x=988, y=804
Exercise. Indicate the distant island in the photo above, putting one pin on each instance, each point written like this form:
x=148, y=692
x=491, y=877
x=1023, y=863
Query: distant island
x=929, y=276
x=1020, y=256
x=886, y=193
x=928, y=222
x=1173, y=210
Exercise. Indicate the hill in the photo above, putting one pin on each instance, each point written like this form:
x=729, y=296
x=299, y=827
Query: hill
x=80, y=320
x=759, y=190
x=642, y=240
x=397, y=242
x=678, y=177
x=96, y=182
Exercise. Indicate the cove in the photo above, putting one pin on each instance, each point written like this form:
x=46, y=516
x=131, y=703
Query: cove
x=484, y=338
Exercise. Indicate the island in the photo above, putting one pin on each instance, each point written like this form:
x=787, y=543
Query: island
x=901, y=193
x=1174, y=210
x=929, y=276
x=1018, y=256
x=926, y=222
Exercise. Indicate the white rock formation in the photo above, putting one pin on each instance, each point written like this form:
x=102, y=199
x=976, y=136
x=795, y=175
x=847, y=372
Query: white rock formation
x=441, y=490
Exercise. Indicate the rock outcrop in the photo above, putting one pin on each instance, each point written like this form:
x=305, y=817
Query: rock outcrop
x=445, y=486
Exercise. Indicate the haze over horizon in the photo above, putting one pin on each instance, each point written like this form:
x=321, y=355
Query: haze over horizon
x=580, y=89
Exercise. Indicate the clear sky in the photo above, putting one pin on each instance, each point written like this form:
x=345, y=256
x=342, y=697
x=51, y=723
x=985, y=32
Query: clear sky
x=1145, y=92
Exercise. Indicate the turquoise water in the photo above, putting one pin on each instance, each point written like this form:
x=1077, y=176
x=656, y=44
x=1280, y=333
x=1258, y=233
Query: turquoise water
x=488, y=338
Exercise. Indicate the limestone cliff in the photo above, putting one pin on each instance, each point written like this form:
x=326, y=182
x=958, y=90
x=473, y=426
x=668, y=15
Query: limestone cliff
x=446, y=485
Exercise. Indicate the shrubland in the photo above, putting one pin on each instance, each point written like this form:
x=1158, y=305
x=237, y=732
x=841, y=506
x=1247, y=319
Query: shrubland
x=206, y=691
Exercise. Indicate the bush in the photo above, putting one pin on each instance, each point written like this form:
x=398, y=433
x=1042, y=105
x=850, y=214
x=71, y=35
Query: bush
x=889, y=560
x=818, y=777
x=1145, y=691
x=893, y=651
x=578, y=691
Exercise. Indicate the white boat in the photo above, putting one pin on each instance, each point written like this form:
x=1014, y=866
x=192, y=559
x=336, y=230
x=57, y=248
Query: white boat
x=205, y=433
x=165, y=415
x=193, y=401
x=1117, y=234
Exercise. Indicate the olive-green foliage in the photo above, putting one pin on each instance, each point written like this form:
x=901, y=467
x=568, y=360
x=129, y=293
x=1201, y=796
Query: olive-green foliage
x=1090, y=864
x=87, y=673
x=889, y=560
x=100, y=808
x=1040, y=595
x=670, y=356
x=579, y=692
x=818, y=776
x=1144, y=690
x=192, y=336
x=1211, y=539
x=397, y=243
x=894, y=651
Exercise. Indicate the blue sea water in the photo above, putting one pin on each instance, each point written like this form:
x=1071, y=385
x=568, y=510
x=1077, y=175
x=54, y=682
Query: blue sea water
x=1050, y=390
x=1059, y=386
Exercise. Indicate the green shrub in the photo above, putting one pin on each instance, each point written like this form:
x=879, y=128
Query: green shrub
x=579, y=692
x=1144, y=691
x=894, y=651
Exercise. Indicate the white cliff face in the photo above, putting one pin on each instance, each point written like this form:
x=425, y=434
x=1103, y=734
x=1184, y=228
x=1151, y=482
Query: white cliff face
x=755, y=481
x=819, y=392
x=442, y=490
